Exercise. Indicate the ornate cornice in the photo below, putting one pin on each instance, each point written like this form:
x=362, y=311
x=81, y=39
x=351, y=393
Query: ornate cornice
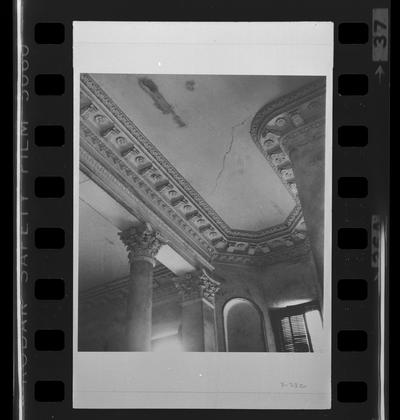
x=141, y=242
x=111, y=142
x=131, y=191
x=299, y=98
x=285, y=118
x=283, y=252
x=108, y=127
x=309, y=134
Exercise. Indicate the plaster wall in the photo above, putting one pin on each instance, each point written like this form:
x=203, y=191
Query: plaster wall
x=240, y=282
x=289, y=282
x=101, y=326
x=269, y=287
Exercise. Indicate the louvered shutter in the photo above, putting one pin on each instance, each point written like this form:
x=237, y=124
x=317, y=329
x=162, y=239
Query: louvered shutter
x=293, y=331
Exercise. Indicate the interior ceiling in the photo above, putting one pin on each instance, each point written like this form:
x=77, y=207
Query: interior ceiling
x=201, y=125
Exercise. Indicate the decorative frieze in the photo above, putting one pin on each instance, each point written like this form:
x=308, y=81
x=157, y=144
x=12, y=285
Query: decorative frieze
x=285, y=251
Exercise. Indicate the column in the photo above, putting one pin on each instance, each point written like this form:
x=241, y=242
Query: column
x=142, y=244
x=198, y=291
x=306, y=150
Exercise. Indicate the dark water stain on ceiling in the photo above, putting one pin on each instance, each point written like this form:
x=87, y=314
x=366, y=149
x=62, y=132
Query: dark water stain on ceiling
x=159, y=101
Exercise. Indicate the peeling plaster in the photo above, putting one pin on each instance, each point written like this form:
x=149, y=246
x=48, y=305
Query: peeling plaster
x=160, y=102
x=190, y=85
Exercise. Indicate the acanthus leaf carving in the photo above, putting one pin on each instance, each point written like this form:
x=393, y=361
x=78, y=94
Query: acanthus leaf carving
x=197, y=285
x=141, y=241
x=210, y=286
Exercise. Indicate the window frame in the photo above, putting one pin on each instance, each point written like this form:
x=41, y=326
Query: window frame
x=278, y=314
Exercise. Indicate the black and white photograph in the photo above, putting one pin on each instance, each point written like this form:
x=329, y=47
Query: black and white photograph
x=201, y=213
x=202, y=220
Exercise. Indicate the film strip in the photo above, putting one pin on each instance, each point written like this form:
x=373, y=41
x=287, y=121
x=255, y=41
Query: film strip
x=45, y=204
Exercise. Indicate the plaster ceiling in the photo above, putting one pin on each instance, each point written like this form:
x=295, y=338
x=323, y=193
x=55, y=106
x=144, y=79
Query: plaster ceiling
x=201, y=125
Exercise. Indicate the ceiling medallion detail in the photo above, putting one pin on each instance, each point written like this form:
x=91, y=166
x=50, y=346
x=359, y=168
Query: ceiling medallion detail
x=113, y=146
x=283, y=117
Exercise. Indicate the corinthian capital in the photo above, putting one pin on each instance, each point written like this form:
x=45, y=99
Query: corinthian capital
x=197, y=285
x=141, y=242
x=210, y=287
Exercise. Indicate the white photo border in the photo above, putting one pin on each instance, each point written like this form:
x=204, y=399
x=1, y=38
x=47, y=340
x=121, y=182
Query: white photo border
x=204, y=380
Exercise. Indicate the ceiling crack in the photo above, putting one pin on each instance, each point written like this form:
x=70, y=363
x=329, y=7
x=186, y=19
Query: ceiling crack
x=228, y=151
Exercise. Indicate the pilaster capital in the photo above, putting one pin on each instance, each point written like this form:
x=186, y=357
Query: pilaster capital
x=210, y=286
x=197, y=285
x=141, y=242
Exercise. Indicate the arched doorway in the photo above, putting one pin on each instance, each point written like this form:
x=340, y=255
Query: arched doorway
x=244, y=326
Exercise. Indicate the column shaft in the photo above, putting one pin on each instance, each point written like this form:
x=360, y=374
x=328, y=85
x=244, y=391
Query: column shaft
x=139, y=306
x=142, y=244
x=193, y=326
